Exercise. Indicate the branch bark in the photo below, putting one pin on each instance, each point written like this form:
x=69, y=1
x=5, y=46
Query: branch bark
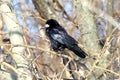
x=43, y=9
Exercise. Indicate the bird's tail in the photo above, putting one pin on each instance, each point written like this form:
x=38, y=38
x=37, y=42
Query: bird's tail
x=78, y=51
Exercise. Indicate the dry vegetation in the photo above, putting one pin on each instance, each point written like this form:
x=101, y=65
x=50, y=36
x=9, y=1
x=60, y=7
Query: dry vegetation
x=95, y=25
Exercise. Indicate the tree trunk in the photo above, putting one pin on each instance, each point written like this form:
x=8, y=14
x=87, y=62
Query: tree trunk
x=16, y=37
x=85, y=22
x=110, y=12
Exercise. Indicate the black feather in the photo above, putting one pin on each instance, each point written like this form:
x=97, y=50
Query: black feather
x=60, y=39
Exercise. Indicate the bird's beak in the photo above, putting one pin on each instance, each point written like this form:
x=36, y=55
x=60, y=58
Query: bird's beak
x=45, y=26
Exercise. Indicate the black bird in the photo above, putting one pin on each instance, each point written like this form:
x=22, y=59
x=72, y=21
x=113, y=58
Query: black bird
x=60, y=39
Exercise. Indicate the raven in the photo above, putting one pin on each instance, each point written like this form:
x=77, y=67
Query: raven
x=60, y=39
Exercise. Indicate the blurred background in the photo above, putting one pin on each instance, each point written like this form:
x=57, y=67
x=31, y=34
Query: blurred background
x=93, y=23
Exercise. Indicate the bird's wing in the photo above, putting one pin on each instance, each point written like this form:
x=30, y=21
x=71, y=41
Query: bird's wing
x=61, y=36
x=58, y=35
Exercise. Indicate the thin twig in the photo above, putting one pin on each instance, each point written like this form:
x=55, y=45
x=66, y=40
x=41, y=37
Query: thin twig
x=9, y=66
x=35, y=47
x=108, y=70
x=64, y=69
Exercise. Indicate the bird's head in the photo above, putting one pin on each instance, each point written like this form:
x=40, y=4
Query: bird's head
x=52, y=23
